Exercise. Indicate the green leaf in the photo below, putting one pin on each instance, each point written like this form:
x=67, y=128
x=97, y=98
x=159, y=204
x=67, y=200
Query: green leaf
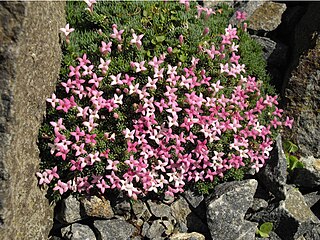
x=182, y=58
x=160, y=38
x=266, y=227
x=299, y=165
x=264, y=235
x=290, y=147
x=176, y=50
x=293, y=160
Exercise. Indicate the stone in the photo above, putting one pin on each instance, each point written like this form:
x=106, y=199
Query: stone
x=312, y=234
x=122, y=206
x=248, y=7
x=258, y=204
x=141, y=210
x=97, y=207
x=302, y=39
x=78, y=231
x=267, y=17
x=275, y=53
x=193, y=199
x=180, y=210
x=159, y=210
x=156, y=230
x=187, y=236
x=187, y=220
x=309, y=176
x=294, y=217
x=272, y=236
x=68, y=210
x=30, y=56
x=226, y=210
x=114, y=229
x=303, y=104
x=145, y=228
x=274, y=173
x=312, y=198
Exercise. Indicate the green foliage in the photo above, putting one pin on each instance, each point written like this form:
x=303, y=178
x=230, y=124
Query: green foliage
x=292, y=161
x=162, y=24
x=265, y=229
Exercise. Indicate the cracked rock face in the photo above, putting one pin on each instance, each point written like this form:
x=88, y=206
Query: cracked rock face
x=227, y=208
x=30, y=56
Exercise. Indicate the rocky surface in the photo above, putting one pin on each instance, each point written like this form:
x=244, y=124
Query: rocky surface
x=233, y=200
x=274, y=175
x=29, y=64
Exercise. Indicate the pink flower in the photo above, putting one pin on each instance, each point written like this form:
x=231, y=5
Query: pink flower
x=83, y=61
x=90, y=4
x=116, y=34
x=241, y=16
x=43, y=178
x=66, y=30
x=77, y=134
x=136, y=40
x=288, y=122
x=53, y=100
x=58, y=126
x=61, y=187
x=102, y=186
x=105, y=48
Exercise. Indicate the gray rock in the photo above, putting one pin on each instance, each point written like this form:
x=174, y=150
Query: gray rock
x=187, y=220
x=156, y=230
x=274, y=174
x=68, y=210
x=141, y=210
x=193, y=199
x=294, y=216
x=227, y=208
x=114, y=229
x=145, y=228
x=97, y=207
x=122, y=208
x=267, y=17
x=272, y=236
x=187, y=236
x=159, y=210
x=312, y=198
x=78, y=231
x=275, y=53
x=259, y=204
x=309, y=176
x=312, y=234
x=180, y=210
x=30, y=60
x=303, y=39
x=303, y=103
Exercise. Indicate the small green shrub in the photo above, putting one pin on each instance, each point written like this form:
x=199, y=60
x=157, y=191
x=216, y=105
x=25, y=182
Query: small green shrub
x=154, y=97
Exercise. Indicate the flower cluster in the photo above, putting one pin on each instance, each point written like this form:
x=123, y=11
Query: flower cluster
x=176, y=123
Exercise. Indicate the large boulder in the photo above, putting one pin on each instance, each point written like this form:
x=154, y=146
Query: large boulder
x=274, y=174
x=226, y=210
x=30, y=57
x=303, y=103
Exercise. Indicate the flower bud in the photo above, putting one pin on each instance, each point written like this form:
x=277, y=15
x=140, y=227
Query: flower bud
x=118, y=90
x=119, y=47
x=169, y=49
x=100, y=31
x=205, y=31
x=116, y=115
x=181, y=39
